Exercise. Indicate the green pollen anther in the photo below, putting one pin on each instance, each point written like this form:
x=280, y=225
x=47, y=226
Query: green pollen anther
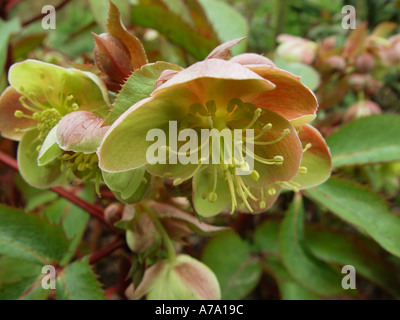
x=212, y=197
x=19, y=114
x=307, y=147
x=271, y=191
x=267, y=127
x=303, y=170
x=255, y=175
x=257, y=114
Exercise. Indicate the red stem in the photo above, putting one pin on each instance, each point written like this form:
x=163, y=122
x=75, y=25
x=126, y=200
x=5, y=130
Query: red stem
x=94, y=210
x=115, y=244
x=42, y=15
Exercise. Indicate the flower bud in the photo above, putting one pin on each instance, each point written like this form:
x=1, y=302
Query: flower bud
x=296, y=49
x=390, y=54
x=141, y=234
x=80, y=131
x=113, y=213
x=112, y=57
x=362, y=109
x=364, y=63
x=336, y=63
x=364, y=82
x=328, y=43
x=184, y=279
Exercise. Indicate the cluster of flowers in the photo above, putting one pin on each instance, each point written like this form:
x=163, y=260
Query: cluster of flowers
x=58, y=116
x=61, y=118
x=349, y=64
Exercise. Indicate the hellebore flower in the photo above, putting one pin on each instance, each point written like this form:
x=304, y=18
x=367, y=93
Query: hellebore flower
x=39, y=96
x=247, y=95
x=72, y=145
x=184, y=279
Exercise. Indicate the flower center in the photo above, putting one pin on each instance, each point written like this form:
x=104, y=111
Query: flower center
x=243, y=129
x=45, y=112
x=83, y=166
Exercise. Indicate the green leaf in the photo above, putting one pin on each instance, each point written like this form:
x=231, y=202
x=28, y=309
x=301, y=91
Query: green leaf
x=362, y=208
x=231, y=259
x=331, y=247
x=28, y=237
x=312, y=273
x=14, y=269
x=138, y=87
x=156, y=15
x=100, y=9
x=22, y=47
x=221, y=16
x=78, y=282
x=7, y=29
x=266, y=236
x=14, y=290
x=309, y=76
x=367, y=140
x=289, y=288
x=337, y=248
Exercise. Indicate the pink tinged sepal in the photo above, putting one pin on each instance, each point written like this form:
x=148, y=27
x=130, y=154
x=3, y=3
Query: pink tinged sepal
x=184, y=279
x=223, y=51
x=10, y=126
x=291, y=99
x=80, y=131
x=252, y=58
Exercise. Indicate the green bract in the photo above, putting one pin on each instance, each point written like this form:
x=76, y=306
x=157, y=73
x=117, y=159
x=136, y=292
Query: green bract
x=40, y=95
x=225, y=96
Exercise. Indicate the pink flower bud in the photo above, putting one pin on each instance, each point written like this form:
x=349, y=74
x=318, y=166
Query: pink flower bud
x=141, y=234
x=364, y=63
x=362, y=109
x=328, y=43
x=113, y=212
x=390, y=54
x=81, y=131
x=336, y=63
x=184, y=279
x=112, y=57
x=296, y=49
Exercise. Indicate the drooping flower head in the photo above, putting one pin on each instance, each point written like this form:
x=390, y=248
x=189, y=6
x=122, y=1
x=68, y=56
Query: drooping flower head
x=226, y=96
x=40, y=95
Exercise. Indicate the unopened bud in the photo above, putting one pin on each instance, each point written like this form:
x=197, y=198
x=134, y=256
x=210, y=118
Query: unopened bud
x=112, y=57
x=184, y=279
x=364, y=63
